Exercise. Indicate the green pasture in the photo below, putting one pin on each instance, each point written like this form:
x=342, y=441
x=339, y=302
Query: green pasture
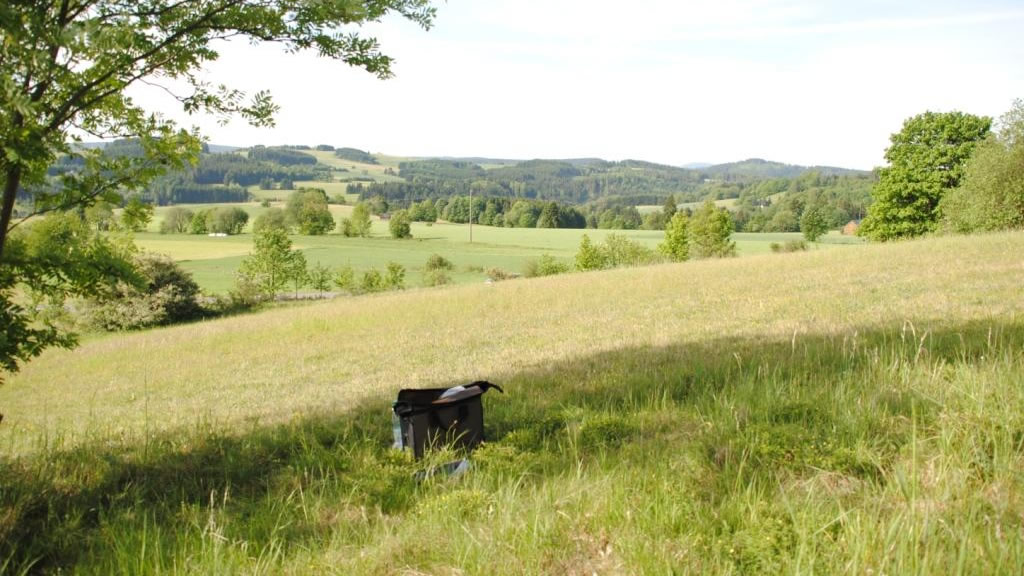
x=214, y=260
x=358, y=169
x=331, y=188
x=345, y=171
x=728, y=203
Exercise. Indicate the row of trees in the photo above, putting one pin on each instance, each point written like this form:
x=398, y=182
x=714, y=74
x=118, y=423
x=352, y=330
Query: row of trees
x=306, y=212
x=221, y=220
x=488, y=211
x=275, y=266
x=248, y=171
x=609, y=214
x=704, y=234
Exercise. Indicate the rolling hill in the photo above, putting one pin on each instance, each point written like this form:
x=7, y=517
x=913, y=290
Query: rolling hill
x=756, y=169
x=843, y=411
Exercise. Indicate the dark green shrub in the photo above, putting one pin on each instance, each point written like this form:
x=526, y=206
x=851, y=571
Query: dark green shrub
x=546, y=265
x=345, y=279
x=372, y=281
x=168, y=296
x=400, y=225
x=273, y=218
x=177, y=220
x=438, y=262
x=620, y=251
x=395, y=277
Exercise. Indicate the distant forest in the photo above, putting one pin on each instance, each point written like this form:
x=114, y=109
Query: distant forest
x=770, y=197
x=777, y=205
x=574, y=193
x=556, y=180
x=217, y=178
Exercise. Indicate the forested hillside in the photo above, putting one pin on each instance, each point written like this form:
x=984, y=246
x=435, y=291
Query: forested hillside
x=756, y=168
x=574, y=182
x=580, y=192
x=580, y=181
x=217, y=177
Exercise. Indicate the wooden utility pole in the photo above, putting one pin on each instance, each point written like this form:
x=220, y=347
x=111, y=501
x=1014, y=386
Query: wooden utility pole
x=470, y=213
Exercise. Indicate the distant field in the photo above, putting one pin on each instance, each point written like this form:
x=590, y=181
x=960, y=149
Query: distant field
x=331, y=188
x=728, y=203
x=213, y=261
x=347, y=171
x=358, y=169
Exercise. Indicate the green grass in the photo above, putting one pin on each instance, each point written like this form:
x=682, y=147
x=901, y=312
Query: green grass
x=214, y=261
x=847, y=411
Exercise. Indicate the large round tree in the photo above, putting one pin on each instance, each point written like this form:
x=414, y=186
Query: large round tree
x=926, y=160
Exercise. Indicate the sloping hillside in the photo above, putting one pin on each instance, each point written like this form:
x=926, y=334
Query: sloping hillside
x=844, y=411
x=325, y=356
x=757, y=169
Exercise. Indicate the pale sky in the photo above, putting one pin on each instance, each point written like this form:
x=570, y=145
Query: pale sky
x=796, y=81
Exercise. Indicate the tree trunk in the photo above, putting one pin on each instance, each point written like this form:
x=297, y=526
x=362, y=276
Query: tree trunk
x=7, y=210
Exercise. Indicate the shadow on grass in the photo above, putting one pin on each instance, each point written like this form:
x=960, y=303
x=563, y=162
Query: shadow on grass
x=788, y=405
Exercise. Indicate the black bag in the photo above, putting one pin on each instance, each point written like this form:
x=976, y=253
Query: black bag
x=425, y=419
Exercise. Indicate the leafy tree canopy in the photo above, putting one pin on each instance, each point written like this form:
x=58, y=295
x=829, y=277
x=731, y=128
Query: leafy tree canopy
x=307, y=210
x=358, y=224
x=399, y=225
x=176, y=221
x=926, y=160
x=991, y=196
x=670, y=207
x=272, y=218
x=813, y=223
x=677, y=243
x=51, y=259
x=272, y=262
x=589, y=257
x=64, y=70
x=709, y=232
x=136, y=214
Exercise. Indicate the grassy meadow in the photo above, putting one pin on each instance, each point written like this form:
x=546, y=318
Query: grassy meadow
x=840, y=411
x=728, y=203
x=213, y=261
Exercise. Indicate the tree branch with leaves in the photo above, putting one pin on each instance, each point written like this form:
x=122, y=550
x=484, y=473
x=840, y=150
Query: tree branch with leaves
x=64, y=70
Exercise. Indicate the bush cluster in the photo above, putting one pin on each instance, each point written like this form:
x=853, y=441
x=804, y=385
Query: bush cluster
x=371, y=280
x=616, y=251
x=546, y=265
x=789, y=246
x=167, y=295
